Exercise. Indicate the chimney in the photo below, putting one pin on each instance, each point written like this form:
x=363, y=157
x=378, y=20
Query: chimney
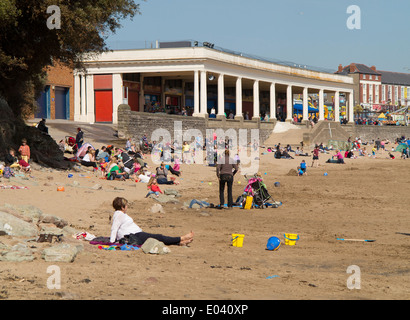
x=352, y=67
x=373, y=68
x=340, y=69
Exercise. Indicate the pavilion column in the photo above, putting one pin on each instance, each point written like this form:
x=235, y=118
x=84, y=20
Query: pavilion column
x=272, y=110
x=83, y=101
x=90, y=98
x=142, y=95
x=239, y=114
x=117, y=95
x=305, y=104
x=337, y=106
x=221, y=97
x=196, y=94
x=255, y=100
x=349, y=108
x=163, y=91
x=77, y=97
x=204, y=95
x=321, y=105
x=289, y=103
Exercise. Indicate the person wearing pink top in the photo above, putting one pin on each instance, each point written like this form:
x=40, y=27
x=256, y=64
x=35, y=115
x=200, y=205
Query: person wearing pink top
x=339, y=157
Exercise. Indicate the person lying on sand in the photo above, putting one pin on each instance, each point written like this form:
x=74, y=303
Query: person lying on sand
x=123, y=226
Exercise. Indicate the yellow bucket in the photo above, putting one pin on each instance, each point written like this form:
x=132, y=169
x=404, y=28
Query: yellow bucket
x=237, y=240
x=290, y=239
x=248, y=203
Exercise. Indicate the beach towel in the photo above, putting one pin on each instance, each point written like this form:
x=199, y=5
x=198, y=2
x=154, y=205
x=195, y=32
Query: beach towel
x=123, y=247
x=104, y=241
x=12, y=187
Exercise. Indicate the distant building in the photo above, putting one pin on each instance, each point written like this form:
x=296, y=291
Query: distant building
x=377, y=90
x=56, y=101
x=196, y=79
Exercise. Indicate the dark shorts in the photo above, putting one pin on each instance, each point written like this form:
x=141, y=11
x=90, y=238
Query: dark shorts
x=315, y=158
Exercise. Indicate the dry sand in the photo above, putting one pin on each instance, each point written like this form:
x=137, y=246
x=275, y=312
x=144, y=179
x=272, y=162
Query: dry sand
x=364, y=199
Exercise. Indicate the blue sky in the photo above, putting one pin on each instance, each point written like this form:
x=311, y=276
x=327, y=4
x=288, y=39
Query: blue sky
x=308, y=32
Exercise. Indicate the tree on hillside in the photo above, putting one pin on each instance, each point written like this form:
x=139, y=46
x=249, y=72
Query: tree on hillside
x=28, y=45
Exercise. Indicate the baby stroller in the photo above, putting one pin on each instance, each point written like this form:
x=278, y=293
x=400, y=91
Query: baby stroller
x=145, y=147
x=261, y=197
x=70, y=145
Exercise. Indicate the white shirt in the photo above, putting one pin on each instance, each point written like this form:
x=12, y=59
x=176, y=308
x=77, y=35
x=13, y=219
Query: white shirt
x=122, y=224
x=87, y=157
x=144, y=178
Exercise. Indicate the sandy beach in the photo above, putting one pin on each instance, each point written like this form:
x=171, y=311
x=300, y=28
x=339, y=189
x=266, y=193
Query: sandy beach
x=364, y=199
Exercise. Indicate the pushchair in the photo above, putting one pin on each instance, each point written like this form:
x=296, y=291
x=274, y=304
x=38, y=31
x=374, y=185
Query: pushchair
x=70, y=145
x=261, y=197
x=145, y=147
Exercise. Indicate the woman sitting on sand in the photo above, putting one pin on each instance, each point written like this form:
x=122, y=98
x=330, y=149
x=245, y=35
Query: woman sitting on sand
x=123, y=226
x=89, y=159
x=339, y=157
x=143, y=176
x=161, y=175
x=116, y=172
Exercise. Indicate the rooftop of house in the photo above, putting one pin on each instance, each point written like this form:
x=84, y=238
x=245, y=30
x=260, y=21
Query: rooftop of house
x=387, y=77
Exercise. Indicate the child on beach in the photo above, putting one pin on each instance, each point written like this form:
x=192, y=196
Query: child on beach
x=374, y=152
x=315, y=155
x=23, y=164
x=24, y=150
x=185, y=152
x=153, y=187
x=303, y=166
x=300, y=172
x=11, y=160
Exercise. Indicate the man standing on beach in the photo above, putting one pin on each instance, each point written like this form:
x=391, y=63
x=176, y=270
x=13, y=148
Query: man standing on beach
x=225, y=172
x=378, y=144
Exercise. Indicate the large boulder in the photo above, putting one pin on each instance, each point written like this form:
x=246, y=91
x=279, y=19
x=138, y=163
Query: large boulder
x=61, y=253
x=43, y=148
x=17, y=253
x=13, y=226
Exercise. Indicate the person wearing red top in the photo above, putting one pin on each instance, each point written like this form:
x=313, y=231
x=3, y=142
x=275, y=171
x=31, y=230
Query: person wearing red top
x=315, y=155
x=24, y=164
x=153, y=188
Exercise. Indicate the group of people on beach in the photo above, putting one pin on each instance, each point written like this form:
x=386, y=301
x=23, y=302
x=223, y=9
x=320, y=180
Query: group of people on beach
x=16, y=161
x=117, y=163
x=339, y=156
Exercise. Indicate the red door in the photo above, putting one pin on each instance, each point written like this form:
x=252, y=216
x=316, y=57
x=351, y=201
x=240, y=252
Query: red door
x=103, y=106
x=133, y=100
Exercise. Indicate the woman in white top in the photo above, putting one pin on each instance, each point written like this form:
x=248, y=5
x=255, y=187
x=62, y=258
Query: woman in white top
x=143, y=176
x=89, y=159
x=124, y=227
